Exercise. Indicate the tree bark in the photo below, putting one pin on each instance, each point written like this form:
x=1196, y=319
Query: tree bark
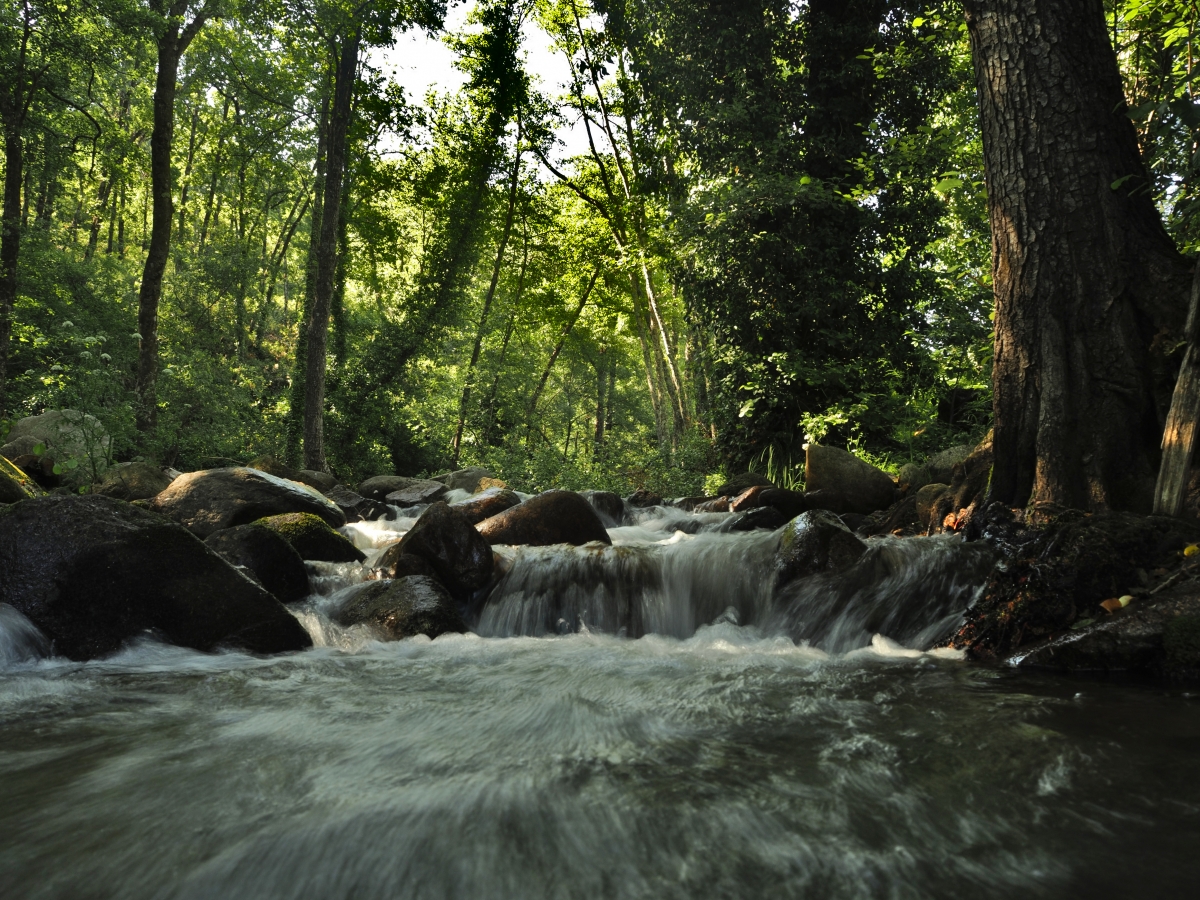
x=326, y=256
x=1084, y=274
x=173, y=42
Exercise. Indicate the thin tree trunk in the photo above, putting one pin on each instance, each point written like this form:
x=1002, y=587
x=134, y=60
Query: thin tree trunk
x=212, y=181
x=1179, y=435
x=601, y=386
x=186, y=181
x=172, y=43
x=98, y=217
x=562, y=340
x=326, y=256
x=1085, y=275
x=10, y=240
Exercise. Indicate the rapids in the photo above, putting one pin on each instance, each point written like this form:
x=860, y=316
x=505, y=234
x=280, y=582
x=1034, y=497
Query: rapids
x=647, y=720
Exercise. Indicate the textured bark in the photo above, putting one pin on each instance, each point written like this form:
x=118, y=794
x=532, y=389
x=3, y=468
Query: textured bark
x=1085, y=276
x=10, y=244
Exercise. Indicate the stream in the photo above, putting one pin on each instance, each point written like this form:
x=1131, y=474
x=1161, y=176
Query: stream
x=648, y=720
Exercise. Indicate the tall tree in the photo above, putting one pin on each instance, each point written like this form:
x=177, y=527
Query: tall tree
x=172, y=38
x=1087, y=282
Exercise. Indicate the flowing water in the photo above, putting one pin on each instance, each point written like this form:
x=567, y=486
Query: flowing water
x=647, y=720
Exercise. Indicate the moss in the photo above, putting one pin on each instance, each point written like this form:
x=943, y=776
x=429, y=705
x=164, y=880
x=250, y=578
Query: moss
x=312, y=538
x=1181, y=641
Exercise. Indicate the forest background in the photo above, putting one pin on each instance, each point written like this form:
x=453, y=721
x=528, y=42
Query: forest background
x=770, y=227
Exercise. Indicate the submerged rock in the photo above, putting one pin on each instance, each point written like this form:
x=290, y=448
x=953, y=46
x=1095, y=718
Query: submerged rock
x=133, y=481
x=396, y=564
x=312, y=538
x=761, y=517
x=357, y=508
x=267, y=558
x=816, y=541
x=207, y=501
x=403, y=608
x=643, y=499
x=93, y=572
x=445, y=539
x=486, y=504
x=864, y=487
x=555, y=517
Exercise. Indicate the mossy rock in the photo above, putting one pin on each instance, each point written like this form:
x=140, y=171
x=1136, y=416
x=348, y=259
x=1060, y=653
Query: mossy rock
x=15, y=484
x=1181, y=641
x=312, y=538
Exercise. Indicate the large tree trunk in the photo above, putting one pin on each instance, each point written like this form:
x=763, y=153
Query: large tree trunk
x=326, y=255
x=172, y=43
x=1085, y=275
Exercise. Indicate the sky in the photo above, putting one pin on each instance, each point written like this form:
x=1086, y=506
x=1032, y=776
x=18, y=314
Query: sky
x=420, y=61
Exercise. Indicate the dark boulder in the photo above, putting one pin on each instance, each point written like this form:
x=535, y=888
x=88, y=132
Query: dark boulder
x=717, y=504
x=816, y=541
x=312, y=538
x=418, y=493
x=790, y=503
x=403, y=608
x=610, y=507
x=394, y=563
x=45, y=472
x=968, y=485
x=864, y=487
x=643, y=499
x=133, y=481
x=380, y=486
x=739, y=483
x=555, y=517
x=750, y=498
x=92, y=572
x=750, y=519
x=207, y=501
x=688, y=504
x=267, y=558
x=447, y=541
x=467, y=479
x=827, y=499
x=357, y=508
x=486, y=504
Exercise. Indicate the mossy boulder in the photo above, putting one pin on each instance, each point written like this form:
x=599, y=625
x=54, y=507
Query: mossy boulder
x=15, y=484
x=133, y=481
x=92, y=572
x=312, y=538
x=267, y=558
x=403, y=608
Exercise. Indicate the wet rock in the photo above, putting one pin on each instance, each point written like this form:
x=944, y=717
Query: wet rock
x=827, y=499
x=417, y=493
x=816, y=541
x=689, y=504
x=92, y=572
x=751, y=498
x=357, y=508
x=459, y=554
x=486, y=504
x=717, y=504
x=380, y=486
x=555, y=517
x=739, y=483
x=132, y=481
x=66, y=434
x=267, y=558
x=760, y=517
x=1158, y=636
x=404, y=608
x=464, y=479
x=312, y=538
x=864, y=487
x=207, y=501
x=488, y=483
x=790, y=503
x=397, y=564
x=610, y=507
x=643, y=499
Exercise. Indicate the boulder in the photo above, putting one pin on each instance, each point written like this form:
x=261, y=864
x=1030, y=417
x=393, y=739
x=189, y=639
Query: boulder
x=642, y=499
x=267, y=558
x=403, y=608
x=445, y=539
x=418, y=493
x=356, y=507
x=555, y=517
x=213, y=499
x=486, y=483
x=66, y=434
x=760, y=517
x=396, y=564
x=92, y=572
x=968, y=485
x=816, y=541
x=486, y=504
x=912, y=477
x=827, y=499
x=790, y=503
x=750, y=498
x=41, y=469
x=380, y=486
x=864, y=487
x=688, y=504
x=464, y=479
x=610, y=507
x=717, y=504
x=312, y=538
x=941, y=465
x=321, y=481
x=132, y=481
x=739, y=483
x=927, y=500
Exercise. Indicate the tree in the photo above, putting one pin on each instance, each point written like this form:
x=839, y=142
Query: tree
x=1088, y=285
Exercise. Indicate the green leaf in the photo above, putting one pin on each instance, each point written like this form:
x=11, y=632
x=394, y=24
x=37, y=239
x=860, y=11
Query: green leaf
x=1116, y=185
x=39, y=449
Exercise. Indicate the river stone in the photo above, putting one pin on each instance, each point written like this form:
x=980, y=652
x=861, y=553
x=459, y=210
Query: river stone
x=827, y=499
x=688, y=504
x=486, y=504
x=739, y=483
x=865, y=487
x=418, y=492
x=759, y=517
x=912, y=477
x=464, y=479
x=790, y=503
x=213, y=499
x=357, y=508
x=380, y=486
x=717, y=504
x=445, y=539
x=92, y=572
x=750, y=498
x=67, y=434
x=394, y=563
x=312, y=538
x=555, y=517
x=926, y=501
x=643, y=499
x=816, y=541
x=941, y=465
x=267, y=558
x=608, y=505
x=132, y=481
x=403, y=608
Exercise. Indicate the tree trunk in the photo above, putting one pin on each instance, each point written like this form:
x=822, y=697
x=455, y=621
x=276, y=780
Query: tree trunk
x=326, y=255
x=172, y=43
x=1085, y=276
x=10, y=243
